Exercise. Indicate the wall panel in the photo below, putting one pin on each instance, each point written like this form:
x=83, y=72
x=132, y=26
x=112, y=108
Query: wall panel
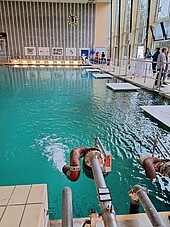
x=44, y=24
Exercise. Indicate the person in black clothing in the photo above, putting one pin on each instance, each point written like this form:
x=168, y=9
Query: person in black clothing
x=102, y=57
x=155, y=58
x=166, y=69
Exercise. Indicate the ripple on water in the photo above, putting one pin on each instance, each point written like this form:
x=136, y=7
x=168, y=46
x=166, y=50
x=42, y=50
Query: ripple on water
x=53, y=148
x=65, y=112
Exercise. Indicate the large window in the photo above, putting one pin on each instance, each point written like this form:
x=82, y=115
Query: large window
x=141, y=25
x=163, y=10
x=167, y=29
x=126, y=33
x=162, y=44
x=158, y=33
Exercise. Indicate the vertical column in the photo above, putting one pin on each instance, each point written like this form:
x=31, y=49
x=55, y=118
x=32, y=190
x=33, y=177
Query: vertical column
x=81, y=15
x=152, y=20
x=53, y=18
x=92, y=28
x=67, y=31
x=8, y=28
x=1, y=18
x=134, y=23
x=121, y=30
x=64, y=27
x=60, y=36
x=21, y=39
x=85, y=28
x=42, y=24
x=88, y=28
x=47, y=28
x=31, y=25
x=35, y=29
x=78, y=29
x=39, y=26
x=13, y=31
x=28, y=23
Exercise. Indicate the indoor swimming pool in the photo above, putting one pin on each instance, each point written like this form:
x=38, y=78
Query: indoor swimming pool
x=46, y=112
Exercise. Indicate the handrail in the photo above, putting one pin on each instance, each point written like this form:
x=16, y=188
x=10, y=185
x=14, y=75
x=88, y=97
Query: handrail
x=108, y=213
x=67, y=216
x=137, y=67
x=163, y=146
x=155, y=146
x=107, y=155
x=100, y=143
x=138, y=193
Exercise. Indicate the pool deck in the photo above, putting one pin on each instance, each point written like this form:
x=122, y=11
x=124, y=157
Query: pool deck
x=92, y=70
x=129, y=220
x=161, y=113
x=122, y=86
x=101, y=75
x=140, y=81
x=24, y=206
x=27, y=206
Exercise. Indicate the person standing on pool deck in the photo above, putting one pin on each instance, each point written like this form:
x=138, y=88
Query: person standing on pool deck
x=155, y=58
x=160, y=67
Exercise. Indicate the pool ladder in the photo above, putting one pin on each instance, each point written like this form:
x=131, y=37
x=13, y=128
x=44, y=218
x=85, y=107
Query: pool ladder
x=158, y=146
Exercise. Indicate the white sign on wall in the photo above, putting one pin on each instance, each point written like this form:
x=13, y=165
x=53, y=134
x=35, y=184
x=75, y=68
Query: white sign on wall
x=30, y=51
x=43, y=51
x=140, y=53
x=70, y=51
x=57, y=51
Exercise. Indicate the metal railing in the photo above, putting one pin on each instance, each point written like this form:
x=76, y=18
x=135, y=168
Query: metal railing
x=107, y=155
x=139, y=195
x=141, y=68
x=67, y=213
x=159, y=148
x=105, y=201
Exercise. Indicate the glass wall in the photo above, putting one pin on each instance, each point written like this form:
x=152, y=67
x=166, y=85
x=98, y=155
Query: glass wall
x=122, y=37
x=162, y=15
x=163, y=10
x=126, y=34
x=141, y=25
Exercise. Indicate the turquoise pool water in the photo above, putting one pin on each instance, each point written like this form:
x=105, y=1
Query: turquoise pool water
x=46, y=112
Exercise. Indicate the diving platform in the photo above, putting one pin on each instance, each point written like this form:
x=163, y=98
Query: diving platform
x=160, y=113
x=24, y=206
x=86, y=66
x=122, y=86
x=92, y=70
x=101, y=75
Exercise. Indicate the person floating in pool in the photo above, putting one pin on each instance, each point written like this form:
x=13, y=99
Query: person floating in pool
x=155, y=164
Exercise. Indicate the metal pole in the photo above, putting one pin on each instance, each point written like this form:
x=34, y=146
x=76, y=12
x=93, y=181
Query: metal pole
x=147, y=24
x=126, y=66
x=101, y=145
x=146, y=72
x=108, y=213
x=67, y=216
x=130, y=28
x=148, y=206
